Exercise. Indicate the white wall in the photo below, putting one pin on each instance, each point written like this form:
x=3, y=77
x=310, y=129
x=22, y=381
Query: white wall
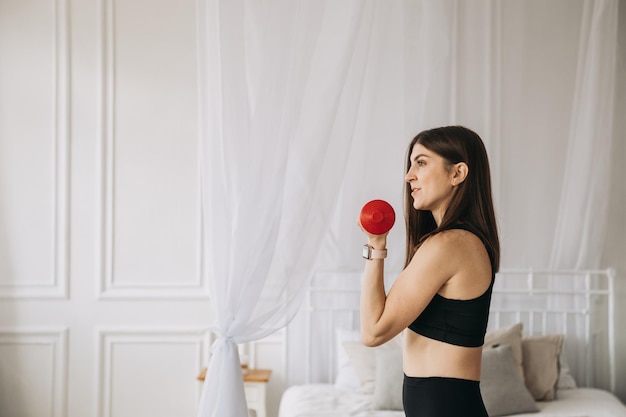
x=103, y=309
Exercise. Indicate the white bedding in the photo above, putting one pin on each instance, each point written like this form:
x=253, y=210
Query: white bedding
x=325, y=400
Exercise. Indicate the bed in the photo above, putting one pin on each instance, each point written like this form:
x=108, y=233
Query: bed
x=549, y=350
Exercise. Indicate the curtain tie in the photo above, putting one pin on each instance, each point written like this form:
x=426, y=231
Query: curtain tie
x=221, y=341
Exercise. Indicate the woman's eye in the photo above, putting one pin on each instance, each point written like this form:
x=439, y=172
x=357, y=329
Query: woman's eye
x=420, y=163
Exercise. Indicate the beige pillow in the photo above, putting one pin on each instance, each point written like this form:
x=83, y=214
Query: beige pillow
x=540, y=359
x=511, y=336
x=501, y=386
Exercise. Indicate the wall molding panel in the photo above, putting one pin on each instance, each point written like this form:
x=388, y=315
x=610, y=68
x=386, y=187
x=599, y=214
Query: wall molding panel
x=54, y=342
x=56, y=284
x=111, y=340
x=143, y=285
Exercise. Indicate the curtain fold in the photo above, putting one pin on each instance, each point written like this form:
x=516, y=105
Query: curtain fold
x=583, y=208
x=275, y=76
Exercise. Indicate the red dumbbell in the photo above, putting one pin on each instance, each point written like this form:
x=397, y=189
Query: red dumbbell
x=377, y=217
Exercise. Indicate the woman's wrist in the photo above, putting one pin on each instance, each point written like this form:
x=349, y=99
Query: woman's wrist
x=377, y=242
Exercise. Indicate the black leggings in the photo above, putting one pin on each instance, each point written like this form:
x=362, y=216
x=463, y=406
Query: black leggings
x=442, y=397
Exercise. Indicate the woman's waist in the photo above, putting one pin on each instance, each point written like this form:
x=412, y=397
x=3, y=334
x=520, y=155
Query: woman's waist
x=420, y=380
x=431, y=358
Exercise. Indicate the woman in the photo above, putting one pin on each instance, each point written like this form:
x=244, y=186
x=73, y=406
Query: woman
x=443, y=294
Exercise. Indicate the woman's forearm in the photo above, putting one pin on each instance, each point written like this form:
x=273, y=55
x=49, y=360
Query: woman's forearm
x=373, y=296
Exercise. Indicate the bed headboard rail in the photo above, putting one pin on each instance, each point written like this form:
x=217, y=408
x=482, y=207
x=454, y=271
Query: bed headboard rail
x=577, y=303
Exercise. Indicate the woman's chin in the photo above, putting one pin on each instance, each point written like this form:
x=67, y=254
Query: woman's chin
x=420, y=206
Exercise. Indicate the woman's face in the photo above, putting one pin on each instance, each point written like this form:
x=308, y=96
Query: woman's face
x=431, y=181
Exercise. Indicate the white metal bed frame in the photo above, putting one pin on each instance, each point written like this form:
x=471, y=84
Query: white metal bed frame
x=541, y=295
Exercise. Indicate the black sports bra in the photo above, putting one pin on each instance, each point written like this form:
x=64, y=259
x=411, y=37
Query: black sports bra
x=457, y=322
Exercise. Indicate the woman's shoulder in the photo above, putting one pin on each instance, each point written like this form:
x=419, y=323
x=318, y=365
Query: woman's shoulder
x=453, y=241
x=454, y=235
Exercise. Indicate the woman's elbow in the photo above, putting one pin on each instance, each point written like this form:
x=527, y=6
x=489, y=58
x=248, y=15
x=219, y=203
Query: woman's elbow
x=371, y=340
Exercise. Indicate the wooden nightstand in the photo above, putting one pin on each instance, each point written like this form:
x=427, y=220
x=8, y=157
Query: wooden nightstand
x=255, y=383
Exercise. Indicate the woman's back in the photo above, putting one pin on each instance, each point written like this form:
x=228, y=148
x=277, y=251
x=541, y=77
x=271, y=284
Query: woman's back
x=446, y=339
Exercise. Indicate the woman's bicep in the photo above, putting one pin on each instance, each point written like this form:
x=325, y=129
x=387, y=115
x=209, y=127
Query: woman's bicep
x=413, y=289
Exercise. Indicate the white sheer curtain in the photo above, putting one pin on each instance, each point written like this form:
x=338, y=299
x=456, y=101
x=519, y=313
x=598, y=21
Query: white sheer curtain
x=583, y=209
x=585, y=192
x=282, y=89
x=534, y=79
x=308, y=106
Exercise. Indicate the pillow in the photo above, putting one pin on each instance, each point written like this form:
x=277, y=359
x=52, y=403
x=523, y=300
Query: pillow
x=511, y=336
x=501, y=385
x=363, y=360
x=389, y=378
x=566, y=379
x=346, y=376
x=541, y=364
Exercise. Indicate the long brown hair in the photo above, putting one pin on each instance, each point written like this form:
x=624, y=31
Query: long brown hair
x=471, y=202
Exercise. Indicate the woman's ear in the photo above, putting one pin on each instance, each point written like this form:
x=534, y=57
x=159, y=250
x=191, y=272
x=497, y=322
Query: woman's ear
x=459, y=173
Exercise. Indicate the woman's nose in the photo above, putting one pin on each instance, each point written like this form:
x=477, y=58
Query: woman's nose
x=410, y=176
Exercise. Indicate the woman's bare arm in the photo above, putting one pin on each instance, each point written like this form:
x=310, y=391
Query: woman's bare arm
x=385, y=316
